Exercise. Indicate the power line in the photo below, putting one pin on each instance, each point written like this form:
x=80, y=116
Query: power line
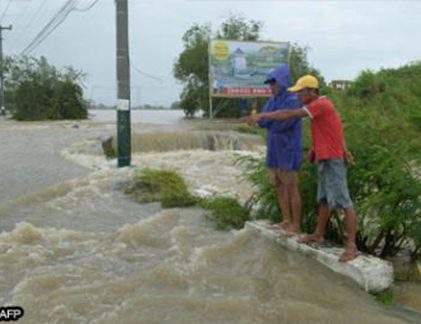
x=21, y=15
x=32, y=19
x=88, y=7
x=145, y=74
x=4, y=12
x=56, y=21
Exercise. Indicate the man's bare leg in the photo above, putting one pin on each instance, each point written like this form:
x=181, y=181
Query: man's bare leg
x=351, y=251
x=295, y=198
x=319, y=232
x=283, y=200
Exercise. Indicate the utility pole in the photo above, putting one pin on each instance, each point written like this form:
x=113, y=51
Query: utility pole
x=2, y=108
x=123, y=85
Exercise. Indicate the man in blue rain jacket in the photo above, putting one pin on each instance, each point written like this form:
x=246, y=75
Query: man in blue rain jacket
x=284, y=149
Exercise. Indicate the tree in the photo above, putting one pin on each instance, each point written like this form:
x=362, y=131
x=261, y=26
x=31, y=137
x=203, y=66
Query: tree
x=192, y=66
x=191, y=69
x=31, y=102
x=237, y=28
x=299, y=64
x=67, y=101
x=36, y=90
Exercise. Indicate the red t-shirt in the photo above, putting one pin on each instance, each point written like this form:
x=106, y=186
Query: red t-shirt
x=326, y=129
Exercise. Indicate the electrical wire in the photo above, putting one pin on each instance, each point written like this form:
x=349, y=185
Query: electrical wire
x=88, y=7
x=32, y=19
x=5, y=10
x=56, y=21
x=145, y=74
x=20, y=15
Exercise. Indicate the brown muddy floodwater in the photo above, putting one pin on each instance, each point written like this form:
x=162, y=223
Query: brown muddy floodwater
x=75, y=249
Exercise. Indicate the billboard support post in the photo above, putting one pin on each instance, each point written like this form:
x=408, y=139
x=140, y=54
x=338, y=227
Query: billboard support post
x=210, y=107
x=210, y=80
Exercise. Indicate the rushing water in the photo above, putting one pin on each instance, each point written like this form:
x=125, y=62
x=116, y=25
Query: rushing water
x=139, y=115
x=75, y=249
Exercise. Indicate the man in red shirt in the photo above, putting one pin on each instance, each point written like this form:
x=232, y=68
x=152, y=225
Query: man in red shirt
x=331, y=155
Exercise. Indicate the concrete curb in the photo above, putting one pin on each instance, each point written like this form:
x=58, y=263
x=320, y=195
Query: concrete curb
x=370, y=273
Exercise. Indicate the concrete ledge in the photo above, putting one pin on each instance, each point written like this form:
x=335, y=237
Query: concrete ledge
x=371, y=273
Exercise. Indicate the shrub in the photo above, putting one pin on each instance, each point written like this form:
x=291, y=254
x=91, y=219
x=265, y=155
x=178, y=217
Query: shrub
x=36, y=90
x=226, y=212
x=108, y=148
x=387, y=194
x=385, y=297
x=67, y=102
x=382, y=123
x=162, y=185
x=32, y=102
x=170, y=188
x=264, y=199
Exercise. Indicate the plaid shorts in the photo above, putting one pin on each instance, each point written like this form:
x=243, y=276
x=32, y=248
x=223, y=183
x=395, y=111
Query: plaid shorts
x=332, y=186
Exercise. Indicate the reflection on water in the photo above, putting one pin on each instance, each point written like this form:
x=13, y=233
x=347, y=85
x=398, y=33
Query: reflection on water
x=74, y=249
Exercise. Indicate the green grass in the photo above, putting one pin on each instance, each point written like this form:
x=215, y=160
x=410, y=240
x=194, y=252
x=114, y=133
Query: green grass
x=226, y=212
x=166, y=186
x=169, y=187
x=386, y=297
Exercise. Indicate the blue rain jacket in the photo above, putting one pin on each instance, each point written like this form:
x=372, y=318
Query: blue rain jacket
x=284, y=138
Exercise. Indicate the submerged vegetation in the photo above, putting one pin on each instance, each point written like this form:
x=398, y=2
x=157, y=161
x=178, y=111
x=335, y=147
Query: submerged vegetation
x=226, y=212
x=386, y=297
x=169, y=187
x=166, y=186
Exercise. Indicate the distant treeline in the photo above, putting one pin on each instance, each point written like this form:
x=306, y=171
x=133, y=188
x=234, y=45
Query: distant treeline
x=141, y=107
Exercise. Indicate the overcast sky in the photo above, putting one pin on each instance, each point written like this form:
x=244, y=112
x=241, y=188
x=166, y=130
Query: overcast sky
x=345, y=37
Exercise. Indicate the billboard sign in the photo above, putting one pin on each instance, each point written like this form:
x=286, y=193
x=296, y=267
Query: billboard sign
x=238, y=69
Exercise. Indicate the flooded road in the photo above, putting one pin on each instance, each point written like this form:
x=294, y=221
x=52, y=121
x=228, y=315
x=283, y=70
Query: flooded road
x=75, y=249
